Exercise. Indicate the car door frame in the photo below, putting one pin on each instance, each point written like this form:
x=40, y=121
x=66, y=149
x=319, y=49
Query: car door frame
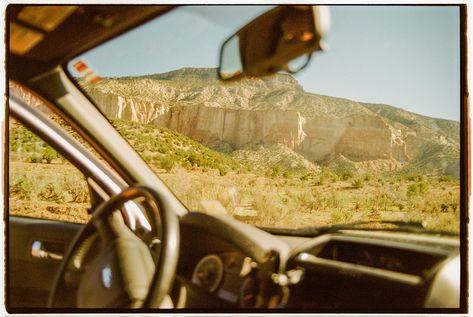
x=25, y=241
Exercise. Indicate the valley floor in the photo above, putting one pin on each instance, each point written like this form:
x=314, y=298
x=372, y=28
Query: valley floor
x=57, y=191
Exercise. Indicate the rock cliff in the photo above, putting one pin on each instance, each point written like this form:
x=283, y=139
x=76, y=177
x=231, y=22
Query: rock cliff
x=274, y=110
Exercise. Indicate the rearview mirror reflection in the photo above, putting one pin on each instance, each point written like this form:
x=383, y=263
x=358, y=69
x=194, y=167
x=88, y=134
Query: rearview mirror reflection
x=281, y=39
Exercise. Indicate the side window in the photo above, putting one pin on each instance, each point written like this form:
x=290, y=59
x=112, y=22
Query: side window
x=42, y=184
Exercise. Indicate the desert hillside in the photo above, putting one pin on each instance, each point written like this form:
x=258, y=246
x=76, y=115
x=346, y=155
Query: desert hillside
x=248, y=117
x=269, y=182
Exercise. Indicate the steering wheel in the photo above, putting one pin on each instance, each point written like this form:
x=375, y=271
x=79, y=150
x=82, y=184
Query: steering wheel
x=108, y=265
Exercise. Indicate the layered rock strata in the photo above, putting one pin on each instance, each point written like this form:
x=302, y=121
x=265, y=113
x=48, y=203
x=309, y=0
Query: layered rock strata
x=357, y=137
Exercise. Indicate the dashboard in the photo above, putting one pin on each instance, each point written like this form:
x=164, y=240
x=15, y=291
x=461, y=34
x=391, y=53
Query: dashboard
x=229, y=276
x=344, y=271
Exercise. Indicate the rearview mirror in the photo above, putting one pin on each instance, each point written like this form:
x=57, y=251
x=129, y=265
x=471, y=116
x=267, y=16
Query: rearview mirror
x=281, y=39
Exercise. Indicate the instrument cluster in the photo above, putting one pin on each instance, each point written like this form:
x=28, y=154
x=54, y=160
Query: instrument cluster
x=229, y=276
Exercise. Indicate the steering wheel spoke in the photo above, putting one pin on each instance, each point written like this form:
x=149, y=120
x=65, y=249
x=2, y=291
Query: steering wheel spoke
x=108, y=265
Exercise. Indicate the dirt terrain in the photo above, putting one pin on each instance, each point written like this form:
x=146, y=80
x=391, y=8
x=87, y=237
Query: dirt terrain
x=57, y=191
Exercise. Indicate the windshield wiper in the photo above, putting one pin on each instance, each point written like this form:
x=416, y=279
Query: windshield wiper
x=399, y=226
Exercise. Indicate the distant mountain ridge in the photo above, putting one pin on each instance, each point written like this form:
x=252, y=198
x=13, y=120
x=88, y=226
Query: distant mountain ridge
x=277, y=110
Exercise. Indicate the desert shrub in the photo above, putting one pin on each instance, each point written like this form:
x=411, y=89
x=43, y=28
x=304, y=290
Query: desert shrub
x=305, y=199
x=275, y=171
x=415, y=178
x=49, y=155
x=445, y=178
x=418, y=188
x=23, y=189
x=222, y=171
x=166, y=163
x=331, y=177
x=381, y=199
x=180, y=182
x=341, y=216
x=357, y=183
x=35, y=158
x=334, y=200
x=304, y=177
x=452, y=207
x=326, y=177
x=52, y=192
x=320, y=181
x=76, y=189
x=269, y=206
x=346, y=175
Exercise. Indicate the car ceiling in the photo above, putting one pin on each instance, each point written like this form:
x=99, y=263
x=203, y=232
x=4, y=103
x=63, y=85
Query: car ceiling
x=43, y=36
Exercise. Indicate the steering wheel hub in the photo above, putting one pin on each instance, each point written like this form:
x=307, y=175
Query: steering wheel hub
x=120, y=269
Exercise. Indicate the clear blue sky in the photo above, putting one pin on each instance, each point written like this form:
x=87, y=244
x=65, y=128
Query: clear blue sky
x=405, y=56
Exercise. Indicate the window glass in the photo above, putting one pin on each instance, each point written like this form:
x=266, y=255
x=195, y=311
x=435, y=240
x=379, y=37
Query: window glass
x=42, y=184
x=369, y=131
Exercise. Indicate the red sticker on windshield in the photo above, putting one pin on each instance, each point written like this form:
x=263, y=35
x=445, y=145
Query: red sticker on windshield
x=88, y=74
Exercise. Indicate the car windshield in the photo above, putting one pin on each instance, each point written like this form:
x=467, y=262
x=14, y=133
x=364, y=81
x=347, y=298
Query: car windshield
x=369, y=131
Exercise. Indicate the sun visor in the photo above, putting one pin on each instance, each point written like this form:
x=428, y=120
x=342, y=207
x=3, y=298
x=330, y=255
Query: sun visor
x=46, y=18
x=23, y=39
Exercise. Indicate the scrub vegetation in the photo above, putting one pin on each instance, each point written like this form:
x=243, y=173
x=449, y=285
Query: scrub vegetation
x=49, y=191
x=43, y=184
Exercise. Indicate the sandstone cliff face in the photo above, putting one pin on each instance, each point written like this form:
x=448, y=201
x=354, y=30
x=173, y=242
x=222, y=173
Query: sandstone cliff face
x=359, y=138
x=127, y=108
x=238, y=128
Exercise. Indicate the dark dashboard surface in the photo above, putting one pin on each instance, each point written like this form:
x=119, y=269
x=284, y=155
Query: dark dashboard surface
x=226, y=265
x=343, y=271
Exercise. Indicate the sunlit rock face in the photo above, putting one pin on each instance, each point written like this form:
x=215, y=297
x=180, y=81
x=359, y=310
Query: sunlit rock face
x=276, y=110
x=358, y=138
x=116, y=106
x=238, y=128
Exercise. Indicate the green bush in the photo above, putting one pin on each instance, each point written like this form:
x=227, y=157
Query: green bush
x=166, y=163
x=35, y=158
x=445, y=178
x=49, y=155
x=346, y=175
x=321, y=181
x=276, y=171
x=418, y=188
x=415, y=178
x=24, y=189
x=149, y=140
x=222, y=171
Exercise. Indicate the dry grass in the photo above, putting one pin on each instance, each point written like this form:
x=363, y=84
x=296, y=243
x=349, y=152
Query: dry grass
x=295, y=202
x=58, y=191
x=50, y=191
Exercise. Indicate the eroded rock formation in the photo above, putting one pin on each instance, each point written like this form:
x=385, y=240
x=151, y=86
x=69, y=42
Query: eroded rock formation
x=357, y=137
x=276, y=110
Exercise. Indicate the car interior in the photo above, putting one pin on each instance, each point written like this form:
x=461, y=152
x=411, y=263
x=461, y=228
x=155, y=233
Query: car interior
x=139, y=246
